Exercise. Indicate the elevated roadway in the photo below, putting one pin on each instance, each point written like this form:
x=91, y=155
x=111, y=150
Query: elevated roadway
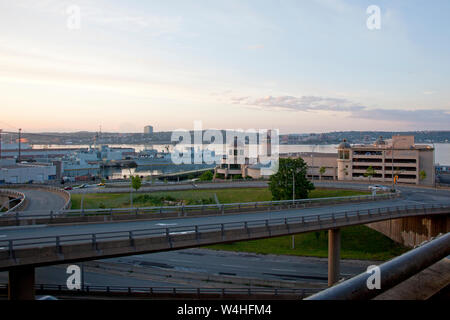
x=23, y=248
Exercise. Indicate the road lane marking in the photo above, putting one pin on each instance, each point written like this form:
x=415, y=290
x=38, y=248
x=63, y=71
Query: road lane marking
x=178, y=260
x=288, y=270
x=233, y=266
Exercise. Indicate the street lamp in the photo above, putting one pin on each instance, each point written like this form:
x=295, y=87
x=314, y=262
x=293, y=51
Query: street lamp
x=293, y=200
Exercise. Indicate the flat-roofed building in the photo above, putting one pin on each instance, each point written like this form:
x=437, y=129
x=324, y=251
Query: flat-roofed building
x=398, y=158
x=11, y=172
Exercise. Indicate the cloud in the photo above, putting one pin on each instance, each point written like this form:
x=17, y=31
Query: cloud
x=304, y=103
x=437, y=116
x=347, y=107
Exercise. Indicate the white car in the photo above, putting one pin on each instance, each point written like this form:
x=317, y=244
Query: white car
x=378, y=188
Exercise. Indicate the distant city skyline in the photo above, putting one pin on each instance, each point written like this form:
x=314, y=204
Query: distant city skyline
x=296, y=66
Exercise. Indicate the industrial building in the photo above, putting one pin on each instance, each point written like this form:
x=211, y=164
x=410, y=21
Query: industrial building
x=12, y=172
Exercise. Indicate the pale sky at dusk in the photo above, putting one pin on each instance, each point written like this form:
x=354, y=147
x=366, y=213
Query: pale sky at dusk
x=298, y=66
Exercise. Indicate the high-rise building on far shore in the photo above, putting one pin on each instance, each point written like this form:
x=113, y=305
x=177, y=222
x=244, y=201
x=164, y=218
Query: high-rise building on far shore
x=148, y=130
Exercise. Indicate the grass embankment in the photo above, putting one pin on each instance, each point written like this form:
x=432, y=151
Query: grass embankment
x=358, y=242
x=121, y=200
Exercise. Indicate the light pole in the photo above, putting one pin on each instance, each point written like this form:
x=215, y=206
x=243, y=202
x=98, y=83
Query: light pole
x=293, y=202
x=18, y=158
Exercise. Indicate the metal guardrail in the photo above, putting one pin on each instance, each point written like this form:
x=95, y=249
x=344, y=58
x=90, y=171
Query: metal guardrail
x=18, y=195
x=110, y=290
x=206, y=209
x=64, y=193
x=321, y=220
x=391, y=273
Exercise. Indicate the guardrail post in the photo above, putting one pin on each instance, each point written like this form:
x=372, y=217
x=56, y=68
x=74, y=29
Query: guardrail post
x=58, y=245
x=94, y=241
x=197, y=236
x=222, y=230
x=51, y=215
x=130, y=235
x=168, y=237
x=246, y=228
x=11, y=249
x=223, y=209
x=267, y=226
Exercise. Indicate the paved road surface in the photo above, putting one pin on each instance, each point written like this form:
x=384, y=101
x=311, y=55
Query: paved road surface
x=243, y=265
x=57, y=275
x=246, y=265
x=39, y=200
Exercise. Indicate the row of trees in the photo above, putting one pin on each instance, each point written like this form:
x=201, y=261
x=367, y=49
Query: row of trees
x=370, y=172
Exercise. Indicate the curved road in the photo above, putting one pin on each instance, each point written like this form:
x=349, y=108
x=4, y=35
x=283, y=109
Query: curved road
x=40, y=200
x=410, y=196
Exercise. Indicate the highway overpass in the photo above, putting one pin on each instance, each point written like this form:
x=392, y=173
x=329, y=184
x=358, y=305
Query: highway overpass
x=24, y=248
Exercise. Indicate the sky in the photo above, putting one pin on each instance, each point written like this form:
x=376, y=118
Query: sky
x=298, y=66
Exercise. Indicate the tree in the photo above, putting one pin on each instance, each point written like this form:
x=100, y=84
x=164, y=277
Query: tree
x=206, y=176
x=136, y=182
x=422, y=175
x=370, y=172
x=290, y=171
x=322, y=171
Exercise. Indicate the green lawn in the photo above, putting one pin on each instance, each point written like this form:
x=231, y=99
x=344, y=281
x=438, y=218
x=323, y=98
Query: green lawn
x=116, y=200
x=358, y=242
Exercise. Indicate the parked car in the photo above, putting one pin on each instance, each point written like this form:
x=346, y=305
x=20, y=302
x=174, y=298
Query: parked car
x=379, y=188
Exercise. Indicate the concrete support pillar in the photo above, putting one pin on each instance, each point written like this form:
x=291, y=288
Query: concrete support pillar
x=334, y=255
x=21, y=283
